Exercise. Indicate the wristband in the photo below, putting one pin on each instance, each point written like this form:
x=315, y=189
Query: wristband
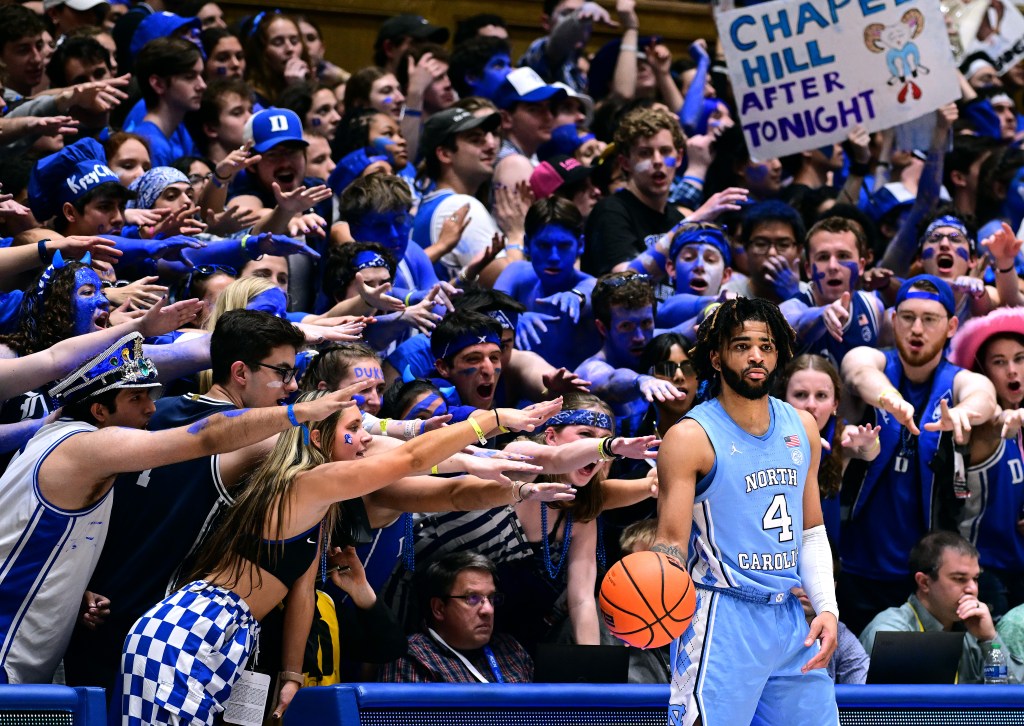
x=433, y=470
x=876, y=445
x=41, y=246
x=1003, y=271
x=582, y=297
x=384, y=426
x=407, y=298
x=291, y=415
x=514, y=247
x=886, y=392
x=414, y=112
x=479, y=431
x=628, y=48
x=497, y=420
x=694, y=179
x=409, y=429
x=253, y=253
x=603, y=452
x=517, y=494
x=216, y=181
x=218, y=177
x=292, y=676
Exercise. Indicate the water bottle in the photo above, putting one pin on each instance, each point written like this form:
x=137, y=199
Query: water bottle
x=995, y=666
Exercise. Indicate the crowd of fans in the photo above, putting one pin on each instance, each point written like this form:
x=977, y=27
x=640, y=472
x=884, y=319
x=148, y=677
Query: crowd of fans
x=447, y=235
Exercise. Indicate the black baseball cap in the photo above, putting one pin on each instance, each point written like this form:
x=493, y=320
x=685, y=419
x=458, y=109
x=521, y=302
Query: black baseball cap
x=415, y=26
x=445, y=124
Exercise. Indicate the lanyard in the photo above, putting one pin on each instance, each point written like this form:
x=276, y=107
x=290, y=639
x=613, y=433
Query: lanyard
x=491, y=660
x=920, y=627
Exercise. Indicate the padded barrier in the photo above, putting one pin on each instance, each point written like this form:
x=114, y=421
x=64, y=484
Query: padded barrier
x=48, y=705
x=385, y=704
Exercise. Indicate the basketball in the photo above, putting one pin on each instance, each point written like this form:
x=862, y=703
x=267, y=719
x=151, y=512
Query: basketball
x=647, y=599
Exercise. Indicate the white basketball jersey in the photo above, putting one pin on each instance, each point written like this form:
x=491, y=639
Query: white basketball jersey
x=48, y=555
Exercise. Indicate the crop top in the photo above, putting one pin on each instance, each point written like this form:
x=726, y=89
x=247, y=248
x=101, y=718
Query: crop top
x=287, y=559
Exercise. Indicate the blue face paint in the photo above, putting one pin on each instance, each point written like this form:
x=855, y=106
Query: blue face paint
x=816, y=277
x=348, y=439
x=497, y=68
x=671, y=162
x=963, y=254
x=87, y=299
x=273, y=301
x=854, y=269
x=468, y=372
x=927, y=253
x=315, y=121
x=553, y=253
x=629, y=333
x=390, y=229
x=360, y=400
x=698, y=257
x=426, y=407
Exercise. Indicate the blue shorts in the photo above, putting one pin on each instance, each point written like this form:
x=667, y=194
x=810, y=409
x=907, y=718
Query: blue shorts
x=183, y=656
x=739, y=663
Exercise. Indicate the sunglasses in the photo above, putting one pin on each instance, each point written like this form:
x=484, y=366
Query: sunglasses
x=668, y=369
x=204, y=271
x=615, y=282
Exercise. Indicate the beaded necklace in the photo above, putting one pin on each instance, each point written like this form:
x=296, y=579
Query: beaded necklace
x=548, y=564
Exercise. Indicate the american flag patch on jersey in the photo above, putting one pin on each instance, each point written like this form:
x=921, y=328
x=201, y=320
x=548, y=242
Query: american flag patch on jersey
x=792, y=441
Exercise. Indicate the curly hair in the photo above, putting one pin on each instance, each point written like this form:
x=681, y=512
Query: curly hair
x=48, y=319
x=620, y=288
x=644, y=123
x=714, y=333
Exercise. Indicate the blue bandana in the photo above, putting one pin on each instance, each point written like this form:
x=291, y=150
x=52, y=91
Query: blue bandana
x=713, y=237
x=507, y=320
x=122, y=365
x=368, y=258
x=948, y=220
x=580, y=417
x=151, y=185
x=462, y=342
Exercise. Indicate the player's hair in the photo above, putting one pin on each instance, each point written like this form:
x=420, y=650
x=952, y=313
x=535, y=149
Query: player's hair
x=374, y=193
x=830, y=471
x=553, y=210
x=339, y=270
x=248, y=336
x=714, y=333
x=589, y=499
x=399, y=396
x=643, y=123
x=334, y=363
x=629, y=289
x=638, y=536
x=239, y=543
x=838, y=225
x=926, y=555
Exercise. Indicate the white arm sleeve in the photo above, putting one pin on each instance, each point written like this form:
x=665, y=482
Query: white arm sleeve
x=816, y=573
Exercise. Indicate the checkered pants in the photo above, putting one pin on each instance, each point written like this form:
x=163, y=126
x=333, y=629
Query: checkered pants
x=183, y=656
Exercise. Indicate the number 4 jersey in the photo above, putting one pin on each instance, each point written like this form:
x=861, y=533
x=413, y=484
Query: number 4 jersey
x=748, y=511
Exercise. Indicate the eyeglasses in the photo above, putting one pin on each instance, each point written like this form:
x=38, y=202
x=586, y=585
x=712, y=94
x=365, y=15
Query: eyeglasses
x=760, y=245
x=669, y=368
x=116, y=283
x=196, y=178
x=475, y=601
x=936, y=237
x=287, y=374
x=929, y=320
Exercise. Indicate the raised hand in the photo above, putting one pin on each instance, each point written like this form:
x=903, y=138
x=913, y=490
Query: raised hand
x=780, y=273
x=902, y=410
x=301, y=198
x=836, y=315
x=485, y=257
x=145, y=217
x=142, y=293
x=421, y=315
x=547, y=492
x=453, y=227
x=567, y=302
x=172, y=248
x=280, y=245
x=562, y=380
x=162, y=318
x=970, y=285
x=877, y=278
x=1013, y=421
x=652, y=388
x=236, y=160
x=377, y=297
x=308, y=223
x=727, y=200
x=494, y=469
x=529, y=328
x=231, y=220
x=635, y=448
x=1003, y=245
x=955, y=419
x=77, y=246
x=863, y=437
x=529, y=418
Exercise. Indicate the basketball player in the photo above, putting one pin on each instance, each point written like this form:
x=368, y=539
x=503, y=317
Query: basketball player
x=739, y=472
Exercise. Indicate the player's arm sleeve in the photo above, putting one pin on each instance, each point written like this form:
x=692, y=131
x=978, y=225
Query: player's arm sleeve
x=816, y=573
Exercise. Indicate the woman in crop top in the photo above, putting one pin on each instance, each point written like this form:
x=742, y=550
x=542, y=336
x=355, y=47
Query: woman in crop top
x=182, y=658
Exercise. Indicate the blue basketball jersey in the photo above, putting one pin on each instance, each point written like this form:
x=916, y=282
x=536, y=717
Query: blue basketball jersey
x=862, y=330
x=748, y=512
x=996, y=502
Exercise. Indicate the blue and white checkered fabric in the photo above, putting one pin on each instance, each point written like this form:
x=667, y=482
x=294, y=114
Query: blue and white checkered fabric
x=183, y=656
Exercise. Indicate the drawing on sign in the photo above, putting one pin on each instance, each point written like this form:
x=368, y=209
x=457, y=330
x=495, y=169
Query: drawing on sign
x=902, y=56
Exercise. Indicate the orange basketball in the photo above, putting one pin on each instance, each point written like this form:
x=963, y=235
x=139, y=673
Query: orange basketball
x=647, y=599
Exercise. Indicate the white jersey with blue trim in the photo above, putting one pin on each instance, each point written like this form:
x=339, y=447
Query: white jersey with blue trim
x=748, y=511
x=48, y=556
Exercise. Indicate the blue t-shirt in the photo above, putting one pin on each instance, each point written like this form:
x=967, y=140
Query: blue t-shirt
x=162, y=150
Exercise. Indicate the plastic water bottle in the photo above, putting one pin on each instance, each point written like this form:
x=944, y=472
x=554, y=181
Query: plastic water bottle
x=995, y=666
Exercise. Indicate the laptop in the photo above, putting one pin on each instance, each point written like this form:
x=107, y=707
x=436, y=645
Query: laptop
x=581, y=664
x=915, y=657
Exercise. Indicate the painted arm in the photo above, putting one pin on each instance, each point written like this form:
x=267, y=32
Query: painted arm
x=808, y=321
x=614, y=385
x=693, y=103
x=298, y=617
x=18, y=375
x=180, y=359
x=582, y=582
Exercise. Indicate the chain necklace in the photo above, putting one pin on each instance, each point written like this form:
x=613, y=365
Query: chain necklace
x=548, y=564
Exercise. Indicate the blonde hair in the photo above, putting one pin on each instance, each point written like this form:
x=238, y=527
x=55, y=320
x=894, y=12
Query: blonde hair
x=639, y=536
x=267, y=491
x=235, y=296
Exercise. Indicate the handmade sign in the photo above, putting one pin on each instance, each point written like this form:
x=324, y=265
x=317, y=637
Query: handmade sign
x=805, y=73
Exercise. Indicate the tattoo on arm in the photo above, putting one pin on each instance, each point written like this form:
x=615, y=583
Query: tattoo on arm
x=670, y=550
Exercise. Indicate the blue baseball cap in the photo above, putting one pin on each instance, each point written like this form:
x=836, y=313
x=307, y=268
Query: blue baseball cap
x=351, y=167
x=273, y=126
x=523, y=85
x=944, y=295
x=68, y=175
x=160, y=25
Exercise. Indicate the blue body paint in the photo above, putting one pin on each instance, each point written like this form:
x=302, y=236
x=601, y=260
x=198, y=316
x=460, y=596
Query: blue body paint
x=86, y=304
x=499, y=66
x=817, y=276
x=232, y=414
x=273, y=301
x=427, y=406
x=390, y=229
x=468, y=372
x=854, y=269
x=553, y=253
x=198, y=426
x=360, y=400
x=629, y=332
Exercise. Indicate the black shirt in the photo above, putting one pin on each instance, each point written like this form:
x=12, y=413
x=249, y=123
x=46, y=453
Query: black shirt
x=616, y=230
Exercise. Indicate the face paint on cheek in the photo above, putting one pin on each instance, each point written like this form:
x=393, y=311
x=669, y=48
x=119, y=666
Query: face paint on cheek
x=963, y=254
x=642, y=166
x=315, y=121
x=817, y=276
x=425, y=406
x=671, y=162
x=854, y=269
x=222, y=71
x=927, y=253
x=468, y=372
x=348, y=439
x=757, y=172
x=388, y=100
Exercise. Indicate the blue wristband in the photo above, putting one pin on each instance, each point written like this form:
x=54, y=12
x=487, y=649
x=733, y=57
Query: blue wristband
x=41, y=246
x=696, y=179
x=291, y=415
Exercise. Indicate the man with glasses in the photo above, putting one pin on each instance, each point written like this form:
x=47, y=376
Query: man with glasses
x=773, y=239
x=160, y=515
x=458, y=644
x=917, y=482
